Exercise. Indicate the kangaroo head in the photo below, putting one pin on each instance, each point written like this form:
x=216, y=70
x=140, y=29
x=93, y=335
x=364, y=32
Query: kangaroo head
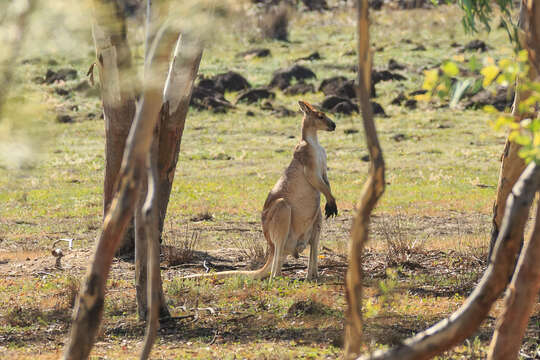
x=315, y=118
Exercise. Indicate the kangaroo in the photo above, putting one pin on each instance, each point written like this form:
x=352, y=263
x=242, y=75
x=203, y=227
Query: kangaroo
x=291, y=216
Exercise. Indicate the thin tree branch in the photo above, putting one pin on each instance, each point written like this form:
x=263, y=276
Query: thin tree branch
x=372, y=191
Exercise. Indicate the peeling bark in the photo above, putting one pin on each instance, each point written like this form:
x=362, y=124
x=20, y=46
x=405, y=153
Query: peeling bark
x=372, y=191
x=466, y=320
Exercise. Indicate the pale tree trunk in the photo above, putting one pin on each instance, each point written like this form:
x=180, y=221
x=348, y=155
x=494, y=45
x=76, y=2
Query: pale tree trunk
x=176, y=97
x=521, y=296
x=89, y=307
x=372, y=191
x=13, y=47
x=118, y=93
x=511, y=164
x=466, y=320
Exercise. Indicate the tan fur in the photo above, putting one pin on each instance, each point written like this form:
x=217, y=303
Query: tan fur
x=291, y=216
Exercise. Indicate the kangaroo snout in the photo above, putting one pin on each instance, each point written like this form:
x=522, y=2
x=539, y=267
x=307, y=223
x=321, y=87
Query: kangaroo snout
x=331, y=125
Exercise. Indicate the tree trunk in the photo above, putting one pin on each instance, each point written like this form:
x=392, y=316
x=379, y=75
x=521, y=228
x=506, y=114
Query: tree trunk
x=466, y=320
x=89, y=307
x=512, y=165
x=521, y=296
x=176, y=97
x=372, y=191
x=118, y=94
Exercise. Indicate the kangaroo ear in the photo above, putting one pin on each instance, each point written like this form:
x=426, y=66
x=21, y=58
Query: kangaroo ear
x=304, y=107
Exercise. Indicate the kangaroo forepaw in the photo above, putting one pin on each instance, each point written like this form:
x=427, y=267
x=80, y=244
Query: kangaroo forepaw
x=330, y=209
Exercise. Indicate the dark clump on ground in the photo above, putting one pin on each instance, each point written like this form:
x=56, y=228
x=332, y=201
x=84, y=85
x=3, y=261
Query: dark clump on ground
x=230, y=81
x=385, y=75
x=338, y=104
x=378, y=109
x=206, y=97
x=253, y=95
x=394, y=65
x=257, y=53
x=306, y=307
x=283, y=77
x=501, y=99
x=339, y=86
x=60, y=75
x=474, y=45
x=317, y=5
x=64, y=119
x=311, y=57
x=299, y=88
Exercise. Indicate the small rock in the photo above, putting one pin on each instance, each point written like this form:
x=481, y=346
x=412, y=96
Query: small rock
x=350, y=131
x=282, y=78
x=419, y=47
x=250, y=113
x=253, y=95
x=64, y=119
x=365, y=158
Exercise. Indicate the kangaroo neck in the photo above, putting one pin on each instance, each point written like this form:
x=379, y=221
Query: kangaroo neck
x=309, y=134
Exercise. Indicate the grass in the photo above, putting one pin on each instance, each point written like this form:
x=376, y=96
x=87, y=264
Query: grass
x=441, y=185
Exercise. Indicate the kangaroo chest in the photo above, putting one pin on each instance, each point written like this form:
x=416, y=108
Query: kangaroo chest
x=319, y=155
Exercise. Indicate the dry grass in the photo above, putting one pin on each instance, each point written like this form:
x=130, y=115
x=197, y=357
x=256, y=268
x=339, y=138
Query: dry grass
x=399, y=244
x=251, y=249
x=179, y=248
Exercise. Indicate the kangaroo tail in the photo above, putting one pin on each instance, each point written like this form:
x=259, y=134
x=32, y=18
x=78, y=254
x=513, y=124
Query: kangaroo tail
x=261, y=273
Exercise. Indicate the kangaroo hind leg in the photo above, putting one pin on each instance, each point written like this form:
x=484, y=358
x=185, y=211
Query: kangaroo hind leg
x=314, y=247
x=278, y=229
